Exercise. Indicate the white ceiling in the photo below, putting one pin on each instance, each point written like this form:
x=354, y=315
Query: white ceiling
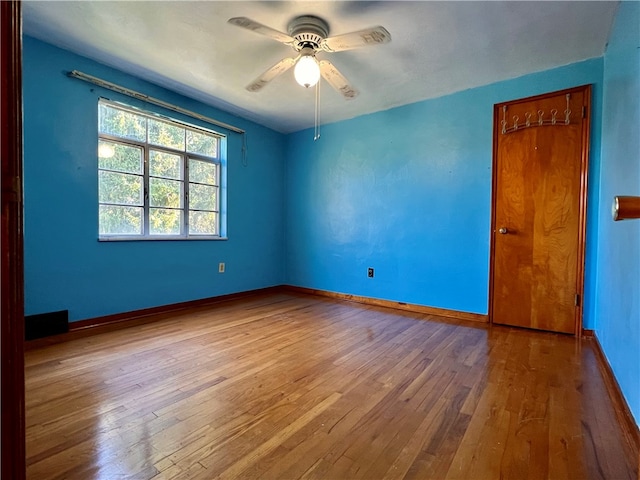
x=437, y=48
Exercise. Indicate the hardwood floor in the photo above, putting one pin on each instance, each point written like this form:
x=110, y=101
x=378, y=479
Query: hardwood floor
x=287, y=386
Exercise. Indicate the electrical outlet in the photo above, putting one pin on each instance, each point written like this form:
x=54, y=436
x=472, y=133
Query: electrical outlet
x=370, y=272
x=221, y=267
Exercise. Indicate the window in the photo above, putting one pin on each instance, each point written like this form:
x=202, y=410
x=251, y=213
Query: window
x=157, y=178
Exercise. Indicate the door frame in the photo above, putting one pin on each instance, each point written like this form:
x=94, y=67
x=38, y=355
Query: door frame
x=12, y=423
x=584, y=175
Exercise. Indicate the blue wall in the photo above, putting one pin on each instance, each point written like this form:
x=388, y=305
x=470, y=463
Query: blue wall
x=408, y=192
x=618, y=266
x=65, y=265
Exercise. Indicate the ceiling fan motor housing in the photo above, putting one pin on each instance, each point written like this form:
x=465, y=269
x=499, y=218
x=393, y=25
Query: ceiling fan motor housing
x=308, y=31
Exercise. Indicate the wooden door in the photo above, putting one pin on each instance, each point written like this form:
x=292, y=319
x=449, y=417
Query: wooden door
x=539, y=205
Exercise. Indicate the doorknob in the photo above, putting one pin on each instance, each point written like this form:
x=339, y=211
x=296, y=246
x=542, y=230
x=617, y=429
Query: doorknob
x=503, y=231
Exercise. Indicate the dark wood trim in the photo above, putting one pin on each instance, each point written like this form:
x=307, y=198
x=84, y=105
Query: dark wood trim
x=586, y=333
x=494, y=187
x=117, y=321
x=584, y=175
x=584, y=193
x=410, y=307
x=12, y=440
x=628, y=424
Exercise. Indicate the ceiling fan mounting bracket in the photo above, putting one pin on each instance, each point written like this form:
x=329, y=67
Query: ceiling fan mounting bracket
x=308, y=31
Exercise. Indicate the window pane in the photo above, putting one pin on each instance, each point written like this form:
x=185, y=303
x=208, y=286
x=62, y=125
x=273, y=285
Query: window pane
x=203, y=223
x=166, y=165
x=163, y=221
x=201, y=143
x=115, y=220
x=202, y=172
x=119, y=157
x=165, y=193
x=166, y=135
x=119, y=188
x=121, y=123
x=202, y=197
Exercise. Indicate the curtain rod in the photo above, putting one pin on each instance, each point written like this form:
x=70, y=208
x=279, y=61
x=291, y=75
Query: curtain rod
x=148, y=99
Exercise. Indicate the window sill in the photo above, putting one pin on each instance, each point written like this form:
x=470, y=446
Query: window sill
x=159, y=239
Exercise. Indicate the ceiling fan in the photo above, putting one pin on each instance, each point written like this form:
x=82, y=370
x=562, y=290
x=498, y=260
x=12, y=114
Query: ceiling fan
x=309, y=35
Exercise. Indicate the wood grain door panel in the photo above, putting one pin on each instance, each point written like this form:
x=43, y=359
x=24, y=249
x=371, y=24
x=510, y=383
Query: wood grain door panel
x=538, y=189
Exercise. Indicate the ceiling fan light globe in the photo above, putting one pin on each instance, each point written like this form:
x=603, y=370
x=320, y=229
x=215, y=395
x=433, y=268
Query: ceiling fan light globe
x=307, y=71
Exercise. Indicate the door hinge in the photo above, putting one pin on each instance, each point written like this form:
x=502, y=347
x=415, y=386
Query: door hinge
x=584, y=111
x=577, y=300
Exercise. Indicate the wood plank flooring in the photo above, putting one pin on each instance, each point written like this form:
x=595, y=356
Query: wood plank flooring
x=288, y=386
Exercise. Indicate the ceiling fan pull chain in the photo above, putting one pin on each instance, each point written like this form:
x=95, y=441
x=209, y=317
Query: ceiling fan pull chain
x=316, y=133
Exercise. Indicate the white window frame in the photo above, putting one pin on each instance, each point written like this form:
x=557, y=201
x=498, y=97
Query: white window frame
x=146, y=147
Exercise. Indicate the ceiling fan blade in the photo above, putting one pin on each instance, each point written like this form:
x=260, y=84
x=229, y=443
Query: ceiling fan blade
x=361, y=38
x=278, y=69
x=337, y=80
x=256, y=27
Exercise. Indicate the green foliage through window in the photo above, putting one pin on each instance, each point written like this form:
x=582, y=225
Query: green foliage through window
x=156, y=178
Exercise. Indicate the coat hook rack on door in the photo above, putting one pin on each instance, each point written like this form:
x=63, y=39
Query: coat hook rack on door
x=528, y=121
x=625, y=208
